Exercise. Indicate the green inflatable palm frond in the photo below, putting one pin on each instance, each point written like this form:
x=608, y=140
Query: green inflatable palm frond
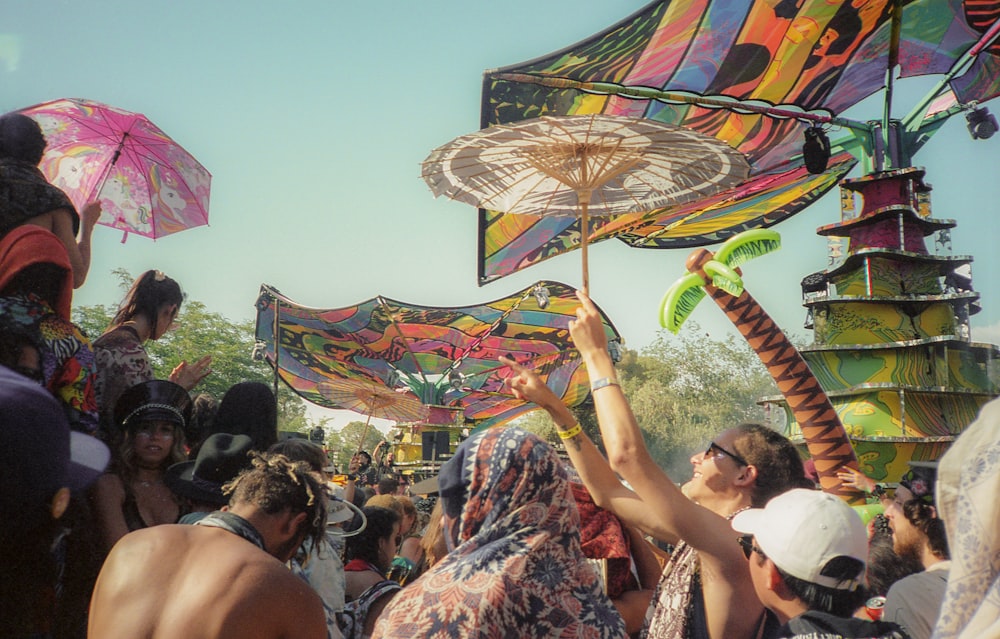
x=742, y=248
x=679, y=301
x=724, y=277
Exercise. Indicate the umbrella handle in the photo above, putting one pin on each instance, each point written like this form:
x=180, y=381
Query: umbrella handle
x=584, y=233
x=364, y=433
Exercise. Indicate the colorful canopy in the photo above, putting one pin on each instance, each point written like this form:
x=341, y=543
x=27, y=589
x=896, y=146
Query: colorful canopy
x=751, y=73
x=439, y=356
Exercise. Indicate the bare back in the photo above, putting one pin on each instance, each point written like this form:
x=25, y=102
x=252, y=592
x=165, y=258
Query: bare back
x=194, y=582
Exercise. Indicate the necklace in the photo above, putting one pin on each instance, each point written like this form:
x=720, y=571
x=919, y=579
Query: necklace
x=147, y=483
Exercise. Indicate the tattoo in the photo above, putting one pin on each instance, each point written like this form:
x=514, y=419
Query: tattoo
x=575, y=443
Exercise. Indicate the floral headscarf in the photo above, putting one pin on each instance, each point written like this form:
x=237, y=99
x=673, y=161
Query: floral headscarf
x=515, y=567
x=920, y=480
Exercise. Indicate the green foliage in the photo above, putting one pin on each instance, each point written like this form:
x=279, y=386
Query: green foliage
x=686, y=389
x=343, y=444
x=202, y=332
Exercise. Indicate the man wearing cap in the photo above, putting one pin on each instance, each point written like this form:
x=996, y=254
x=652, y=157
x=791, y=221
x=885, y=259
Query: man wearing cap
x=807, y=552
x=224, y=577
x=914, y=602
x=41, y=462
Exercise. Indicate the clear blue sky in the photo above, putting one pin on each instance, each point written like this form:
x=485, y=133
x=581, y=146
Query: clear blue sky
x=313, y=118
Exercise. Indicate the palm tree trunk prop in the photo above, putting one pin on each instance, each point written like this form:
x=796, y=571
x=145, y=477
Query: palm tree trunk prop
x=826, y=438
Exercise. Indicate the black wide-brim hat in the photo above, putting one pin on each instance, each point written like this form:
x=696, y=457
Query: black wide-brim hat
x=153, y=400
x=220, y=459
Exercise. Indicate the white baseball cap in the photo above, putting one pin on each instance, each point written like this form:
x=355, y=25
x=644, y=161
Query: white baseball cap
x=802, y=530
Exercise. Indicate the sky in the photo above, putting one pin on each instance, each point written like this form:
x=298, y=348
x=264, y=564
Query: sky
x=313, y=117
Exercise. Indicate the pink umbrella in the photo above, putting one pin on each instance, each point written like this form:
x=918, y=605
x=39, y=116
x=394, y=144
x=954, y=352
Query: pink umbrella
x=147, y=184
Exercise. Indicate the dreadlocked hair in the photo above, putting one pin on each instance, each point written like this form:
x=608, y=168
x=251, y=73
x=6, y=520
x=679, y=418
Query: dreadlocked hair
x=274, y=483
x=924, y=518
x=779, y=467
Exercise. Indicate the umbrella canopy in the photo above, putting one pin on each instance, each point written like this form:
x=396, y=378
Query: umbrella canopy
x=582, y=165
x=372, y=400
x=147, y=184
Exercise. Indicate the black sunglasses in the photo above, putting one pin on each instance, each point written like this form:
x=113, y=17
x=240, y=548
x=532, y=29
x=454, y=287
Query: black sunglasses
x=746, y=543
x=715, y=447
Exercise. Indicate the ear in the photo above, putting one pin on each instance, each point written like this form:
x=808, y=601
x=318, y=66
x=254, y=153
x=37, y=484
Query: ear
x=934, y=512
x=774, y=581
x=60, y=502
x=748, y=476
x=293, y=524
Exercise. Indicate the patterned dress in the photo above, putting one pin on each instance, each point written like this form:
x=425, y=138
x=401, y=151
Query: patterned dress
x=68, y=367
x=122, y=363
x=515, y=566
x=67, y=359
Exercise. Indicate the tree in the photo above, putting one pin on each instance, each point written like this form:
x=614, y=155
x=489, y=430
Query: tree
x=202, y=332
x=685, y=389
x=344, y=443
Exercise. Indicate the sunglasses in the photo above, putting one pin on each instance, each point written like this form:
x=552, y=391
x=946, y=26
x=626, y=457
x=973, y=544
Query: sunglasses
x=746, y=543
x=714, y=450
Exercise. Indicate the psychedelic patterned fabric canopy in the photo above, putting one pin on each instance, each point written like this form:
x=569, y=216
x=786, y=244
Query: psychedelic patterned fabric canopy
x=752, y=73
x=442, y=357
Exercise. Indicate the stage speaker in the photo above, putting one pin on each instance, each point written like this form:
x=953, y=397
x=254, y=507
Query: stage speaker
x=434, y=445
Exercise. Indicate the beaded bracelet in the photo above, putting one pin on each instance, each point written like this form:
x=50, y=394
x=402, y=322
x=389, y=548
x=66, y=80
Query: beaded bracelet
x=602, y=382
x=571, y=432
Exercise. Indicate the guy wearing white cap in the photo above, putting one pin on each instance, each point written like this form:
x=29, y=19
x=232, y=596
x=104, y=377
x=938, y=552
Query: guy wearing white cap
x=807, y=553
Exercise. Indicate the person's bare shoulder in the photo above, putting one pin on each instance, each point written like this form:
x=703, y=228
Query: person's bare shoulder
x=230, y=588
x=154, y=545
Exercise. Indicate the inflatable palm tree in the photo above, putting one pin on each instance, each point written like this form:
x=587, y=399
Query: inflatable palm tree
x=718, y=275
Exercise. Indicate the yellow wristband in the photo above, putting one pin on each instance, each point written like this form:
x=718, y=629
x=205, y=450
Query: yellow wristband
x=602, y=382
x=571, y=432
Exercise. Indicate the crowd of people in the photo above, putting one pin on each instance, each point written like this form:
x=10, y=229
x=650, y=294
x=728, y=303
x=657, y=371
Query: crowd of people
x=132, y=509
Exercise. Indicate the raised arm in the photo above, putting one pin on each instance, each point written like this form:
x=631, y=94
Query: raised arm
x=675, y=515
x=596, y=474
x=732, y=608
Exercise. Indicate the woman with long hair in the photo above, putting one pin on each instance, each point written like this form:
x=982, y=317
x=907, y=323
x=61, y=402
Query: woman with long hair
x=147, y=312
x=369, y=554
x=133, y=496
x=249, y=408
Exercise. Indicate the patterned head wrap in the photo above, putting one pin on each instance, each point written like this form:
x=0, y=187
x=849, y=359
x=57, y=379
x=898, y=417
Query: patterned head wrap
x=515, y=566
x=920, y=480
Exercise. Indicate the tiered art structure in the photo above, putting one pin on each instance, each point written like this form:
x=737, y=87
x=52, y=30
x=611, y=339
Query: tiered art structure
x=892, y=345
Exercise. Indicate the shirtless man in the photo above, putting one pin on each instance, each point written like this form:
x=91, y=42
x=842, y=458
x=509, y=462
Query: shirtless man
x=206, y=580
